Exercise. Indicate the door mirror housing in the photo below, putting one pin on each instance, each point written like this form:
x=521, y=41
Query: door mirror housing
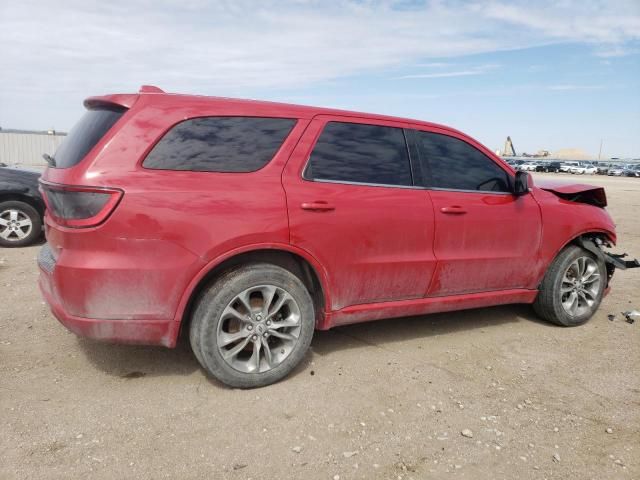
x=521, y=184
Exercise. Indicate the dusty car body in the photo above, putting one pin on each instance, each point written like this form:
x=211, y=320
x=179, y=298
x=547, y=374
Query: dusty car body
x=142, y=245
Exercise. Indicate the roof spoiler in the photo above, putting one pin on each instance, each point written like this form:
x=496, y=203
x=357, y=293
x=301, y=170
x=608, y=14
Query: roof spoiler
x=124, y=100
x=150, y=89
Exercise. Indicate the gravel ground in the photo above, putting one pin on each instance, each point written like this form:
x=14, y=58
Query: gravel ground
x=490, y=393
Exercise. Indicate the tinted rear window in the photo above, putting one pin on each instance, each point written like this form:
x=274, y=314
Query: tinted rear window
x=93, y=125
x=220, y=144
x=353, y=152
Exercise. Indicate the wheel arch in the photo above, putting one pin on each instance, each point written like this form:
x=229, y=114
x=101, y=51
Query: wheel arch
x=608, y=236
x=577, y=239
x=297, y=261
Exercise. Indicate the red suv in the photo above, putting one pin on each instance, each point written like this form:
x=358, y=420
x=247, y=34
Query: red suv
x=246, y=225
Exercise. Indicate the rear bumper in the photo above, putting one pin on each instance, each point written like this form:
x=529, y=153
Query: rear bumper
x=130, y=331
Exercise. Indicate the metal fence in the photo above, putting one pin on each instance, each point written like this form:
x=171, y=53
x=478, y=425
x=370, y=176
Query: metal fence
x=26, y=148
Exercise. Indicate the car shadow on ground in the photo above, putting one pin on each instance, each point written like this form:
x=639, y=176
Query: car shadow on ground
x=397, y=330
x=135, y=361
x=130, y=361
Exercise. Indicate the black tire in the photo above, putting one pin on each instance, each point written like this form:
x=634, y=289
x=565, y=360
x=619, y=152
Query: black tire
x=24, y=210
x=208, y=315
x=548, y=303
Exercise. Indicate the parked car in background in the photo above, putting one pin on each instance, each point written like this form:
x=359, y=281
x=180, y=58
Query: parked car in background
x=529, y=166
x=583, y=168
x=247, y=225
x=552, y=167
x=566, y=166
x=516, y=164
x=616, y=170
x=21, y=207
x=632, y=171
x=602, y=168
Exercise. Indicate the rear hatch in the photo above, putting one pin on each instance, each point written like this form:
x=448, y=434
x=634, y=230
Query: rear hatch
x=72, y=201
x=93, y=125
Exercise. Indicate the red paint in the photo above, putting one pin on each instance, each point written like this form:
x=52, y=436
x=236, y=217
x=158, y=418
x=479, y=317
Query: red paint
x=376, y=244
x=492, y=246
x=378, y=252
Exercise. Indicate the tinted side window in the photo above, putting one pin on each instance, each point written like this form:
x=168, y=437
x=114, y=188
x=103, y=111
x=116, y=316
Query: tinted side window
x=220, y=144
x=353, y=152
x=93, y=125
x=450, y=163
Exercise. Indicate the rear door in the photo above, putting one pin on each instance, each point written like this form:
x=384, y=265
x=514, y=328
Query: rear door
x=353, y=206
x=486, y=238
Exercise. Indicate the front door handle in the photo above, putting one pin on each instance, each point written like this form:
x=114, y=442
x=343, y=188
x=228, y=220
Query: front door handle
x=318, y=206
x=453, y=210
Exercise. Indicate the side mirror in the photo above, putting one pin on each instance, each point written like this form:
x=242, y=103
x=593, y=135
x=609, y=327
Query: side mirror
x=521, y=184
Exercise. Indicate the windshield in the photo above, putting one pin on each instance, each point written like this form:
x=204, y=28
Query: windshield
x=93, y=125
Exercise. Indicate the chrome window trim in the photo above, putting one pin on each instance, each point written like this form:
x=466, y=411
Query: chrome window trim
x=409, y=187
x=363, y=184
x=468, y=191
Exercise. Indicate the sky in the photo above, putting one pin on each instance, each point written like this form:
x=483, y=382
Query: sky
x=551, y=74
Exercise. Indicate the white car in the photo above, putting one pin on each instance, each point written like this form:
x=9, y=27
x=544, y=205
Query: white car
x=529, y=166
x=583, y=168
x=567, y=166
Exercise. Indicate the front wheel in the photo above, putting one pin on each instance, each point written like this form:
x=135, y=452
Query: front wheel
x=253, y=326
x=572, y=288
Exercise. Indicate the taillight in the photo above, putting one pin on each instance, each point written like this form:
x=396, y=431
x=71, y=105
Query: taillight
x=79, y=207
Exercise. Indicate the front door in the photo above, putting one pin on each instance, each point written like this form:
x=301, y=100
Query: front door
x=486, y=238
x=353, y=206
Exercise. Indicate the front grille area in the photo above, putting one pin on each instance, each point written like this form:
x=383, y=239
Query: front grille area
x=45, y=258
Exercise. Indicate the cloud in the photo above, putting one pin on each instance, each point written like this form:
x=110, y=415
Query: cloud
x=608, y=51
x=56, y=53
x=595, y=22
x=462, y=73
x=479, y=70
x=568, y=87
x=433, y=65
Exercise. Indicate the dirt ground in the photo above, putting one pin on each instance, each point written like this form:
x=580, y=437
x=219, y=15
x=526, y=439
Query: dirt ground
x=387, y=399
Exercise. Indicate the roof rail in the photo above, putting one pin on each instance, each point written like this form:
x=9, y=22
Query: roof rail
x=150, y=89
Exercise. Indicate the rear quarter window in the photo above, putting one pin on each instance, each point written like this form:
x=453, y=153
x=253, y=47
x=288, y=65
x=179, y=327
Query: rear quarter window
x=220, y=144
x=93, y=125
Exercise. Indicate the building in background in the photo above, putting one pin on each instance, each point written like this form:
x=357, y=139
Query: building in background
x=25, y=147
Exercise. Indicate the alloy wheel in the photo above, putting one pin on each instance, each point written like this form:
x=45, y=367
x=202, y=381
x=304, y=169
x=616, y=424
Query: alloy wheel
x=580, y=286
x=14, y=225
x=258, y=329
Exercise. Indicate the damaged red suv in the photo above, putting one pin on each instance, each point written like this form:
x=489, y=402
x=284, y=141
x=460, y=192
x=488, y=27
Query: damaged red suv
x=246, y=225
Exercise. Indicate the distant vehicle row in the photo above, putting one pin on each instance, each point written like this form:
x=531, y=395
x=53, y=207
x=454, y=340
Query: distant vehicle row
x=577, y=167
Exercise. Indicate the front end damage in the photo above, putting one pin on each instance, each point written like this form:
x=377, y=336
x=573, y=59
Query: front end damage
x=597, y=245
x=594, y=243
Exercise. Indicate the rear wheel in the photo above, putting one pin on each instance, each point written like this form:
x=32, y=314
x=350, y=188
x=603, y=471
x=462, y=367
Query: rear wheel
x=572, y=288
x=20, y=224
x=253, y=326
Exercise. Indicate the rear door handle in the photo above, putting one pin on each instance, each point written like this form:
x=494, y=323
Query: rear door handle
x=319, y=206
x=453, y=210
